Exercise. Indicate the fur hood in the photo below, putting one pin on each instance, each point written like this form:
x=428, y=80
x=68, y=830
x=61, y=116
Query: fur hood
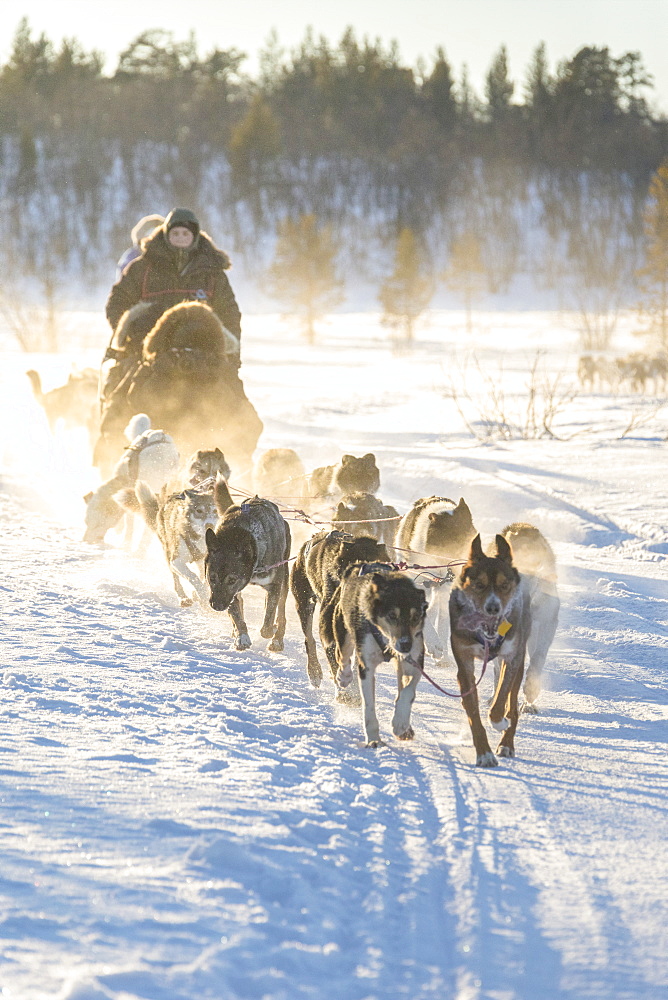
x=191, y=325
x=155, y=250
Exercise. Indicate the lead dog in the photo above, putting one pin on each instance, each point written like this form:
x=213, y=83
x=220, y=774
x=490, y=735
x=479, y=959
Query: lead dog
x=490, y=618
x=435, y=531
x=251, y=544
x=378, y=615
x=315, y=575
x=535, y=560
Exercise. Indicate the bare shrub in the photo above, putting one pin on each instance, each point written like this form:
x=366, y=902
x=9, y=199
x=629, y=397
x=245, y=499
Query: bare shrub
x=643, y=414
x=497, y=416
x=34, y=327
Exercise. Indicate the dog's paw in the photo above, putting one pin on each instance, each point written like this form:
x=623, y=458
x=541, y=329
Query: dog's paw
x=344, y=677
x=243, y=641
x=267, y=631
x=486, y=760
x=348, y=696
x=407, y=734
x=186, y=602
x=501, y=725
x=374, y=744
x=314, y=673
x=502, y=751
x=275, y=646
x=528, y=708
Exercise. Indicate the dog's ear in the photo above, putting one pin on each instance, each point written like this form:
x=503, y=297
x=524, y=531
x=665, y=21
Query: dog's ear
x=476, y=549
x=369, y=458
x=503, y=549
x=341, y=510
x=88, y=497
x=345, y=459
x=218, y=453
x=211, y=539
x=463, y=507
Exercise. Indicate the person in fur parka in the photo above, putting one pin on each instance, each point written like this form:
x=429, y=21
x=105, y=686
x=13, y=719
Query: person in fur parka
x=178, y=263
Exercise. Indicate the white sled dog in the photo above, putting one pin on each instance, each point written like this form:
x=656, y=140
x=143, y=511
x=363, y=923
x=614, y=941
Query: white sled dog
x=152, y=457
x=435, y=531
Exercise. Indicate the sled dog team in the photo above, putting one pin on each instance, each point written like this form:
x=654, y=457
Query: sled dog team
x=498, y=606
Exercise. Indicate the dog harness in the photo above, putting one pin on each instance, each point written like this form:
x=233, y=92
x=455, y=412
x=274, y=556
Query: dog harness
x=133, y=453
x=385, y=650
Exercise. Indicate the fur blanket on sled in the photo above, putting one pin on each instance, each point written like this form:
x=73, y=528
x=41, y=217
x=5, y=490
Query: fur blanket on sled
x=191, y=326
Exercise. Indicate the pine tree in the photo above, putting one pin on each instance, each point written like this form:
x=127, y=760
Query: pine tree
x=653, y=276
x=254, y=143
x=499, y=87
x=439, y=92
x=406, y=292
x=466, y=272
x=303, y=274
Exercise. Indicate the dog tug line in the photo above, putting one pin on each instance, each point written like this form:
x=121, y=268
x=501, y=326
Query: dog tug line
x=501, y=630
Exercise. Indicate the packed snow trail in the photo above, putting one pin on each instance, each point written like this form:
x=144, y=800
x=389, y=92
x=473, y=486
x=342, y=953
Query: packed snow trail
x=183, y=821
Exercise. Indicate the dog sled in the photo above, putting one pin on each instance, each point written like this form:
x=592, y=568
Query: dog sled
x=182, y=370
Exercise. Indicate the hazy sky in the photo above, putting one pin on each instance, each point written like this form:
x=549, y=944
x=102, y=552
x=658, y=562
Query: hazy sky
x=470, y=31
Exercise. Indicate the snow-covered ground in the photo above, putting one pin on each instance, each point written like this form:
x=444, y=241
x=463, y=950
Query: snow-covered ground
x=181, y=821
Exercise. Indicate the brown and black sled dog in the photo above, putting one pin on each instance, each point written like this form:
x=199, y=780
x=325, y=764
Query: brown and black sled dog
x=315, y=575
x=376, y=614
x=490, y=618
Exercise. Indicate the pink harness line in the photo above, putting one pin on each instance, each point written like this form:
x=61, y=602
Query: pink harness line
x=450, y=694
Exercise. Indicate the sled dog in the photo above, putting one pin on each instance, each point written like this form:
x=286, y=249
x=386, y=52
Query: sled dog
x=181, y=520
x=251, y=544
x=315, y=575
x=435, y=531
x=535, y=560
x=365, y=514
x=377, y=614
x=152, y=457
x=350, y=475
x=206, y=464
x=279, y=472
x=75, y=402
x=490, y=617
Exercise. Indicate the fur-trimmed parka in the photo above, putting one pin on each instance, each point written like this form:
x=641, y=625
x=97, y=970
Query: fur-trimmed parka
x=166, y=276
